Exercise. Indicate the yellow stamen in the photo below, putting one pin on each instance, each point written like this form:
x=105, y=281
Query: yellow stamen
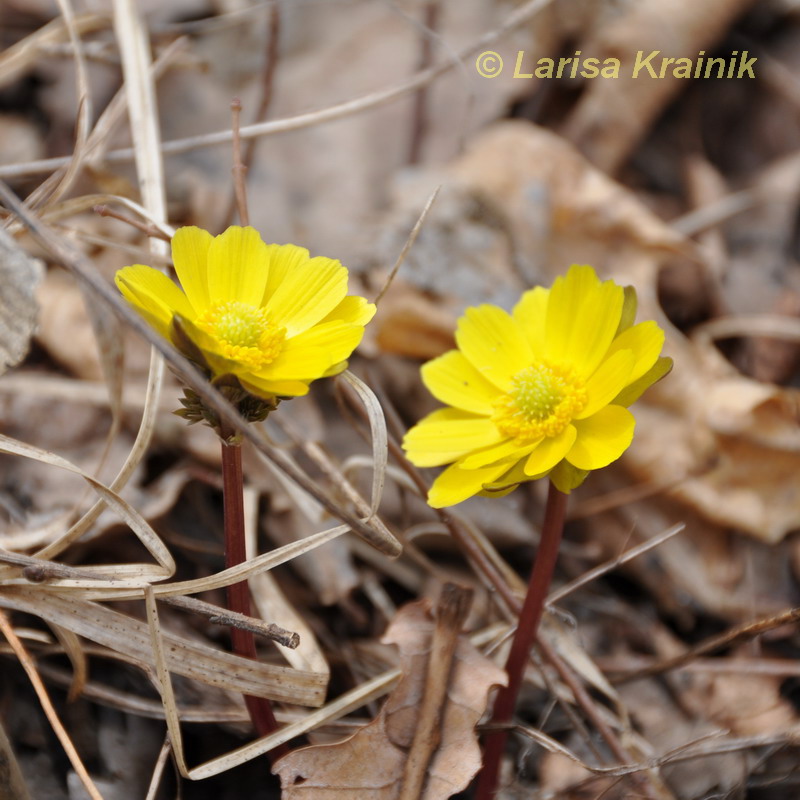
x=542, y=401
x=244, y=333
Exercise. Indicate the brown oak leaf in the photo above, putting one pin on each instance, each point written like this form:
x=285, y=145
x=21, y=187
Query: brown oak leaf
x=370, y=764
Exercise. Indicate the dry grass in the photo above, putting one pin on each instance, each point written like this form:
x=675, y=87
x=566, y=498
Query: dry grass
x=111, y=577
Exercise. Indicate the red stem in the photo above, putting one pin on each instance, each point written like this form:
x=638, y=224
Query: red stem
x=529, y=618
x=244, y=643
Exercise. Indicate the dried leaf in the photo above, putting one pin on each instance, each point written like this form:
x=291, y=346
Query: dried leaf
x=614, y=115
x=19, y=274
x=371, y=762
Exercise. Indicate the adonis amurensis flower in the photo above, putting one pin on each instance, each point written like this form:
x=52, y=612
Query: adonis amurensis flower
x=262, y=320
x=542, y=391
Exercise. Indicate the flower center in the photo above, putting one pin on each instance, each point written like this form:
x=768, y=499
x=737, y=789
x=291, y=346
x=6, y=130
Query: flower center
x=541, y=402
x=244, y=332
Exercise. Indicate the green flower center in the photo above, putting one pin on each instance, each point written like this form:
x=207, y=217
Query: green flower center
x=542, y=400
x=244, y=332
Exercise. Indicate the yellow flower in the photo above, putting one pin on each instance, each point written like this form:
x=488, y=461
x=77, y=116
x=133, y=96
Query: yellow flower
x=541, y=391
x=269, y=315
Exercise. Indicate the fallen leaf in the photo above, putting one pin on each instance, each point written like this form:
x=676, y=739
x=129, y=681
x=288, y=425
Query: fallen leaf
x=750, y=705
x=19, y=274
x=613, y=116
x=371, y=762
x=65, y=329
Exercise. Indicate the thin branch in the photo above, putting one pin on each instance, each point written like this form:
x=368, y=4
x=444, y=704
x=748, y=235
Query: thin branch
x=451, y=613
x=146, y=228
x=612, y=564
x=412, y=237
x=37, y=570
x=739, y=633
x=267, y=90
x=419, y=116
x=373, y=100
x=239, y=168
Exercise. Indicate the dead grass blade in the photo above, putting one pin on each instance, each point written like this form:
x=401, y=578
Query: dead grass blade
x=608, y=566
x=77, y=658
x=381, y=538
x=23, y=56
x=143, y=116
x=114, y=112
x=60, y=182
x=165, y=682
x=128, y=580
x=380, y=444
x=63, y=737
x=272, y=603
x=75, y=205
x=134, y=48
x=146, y=535
x=12, y=782
x=131, y=638
x=412, y=237
x=130, y=703
x=158, y=769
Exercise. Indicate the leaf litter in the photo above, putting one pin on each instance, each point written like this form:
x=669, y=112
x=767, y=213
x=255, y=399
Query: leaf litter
x=689, y=646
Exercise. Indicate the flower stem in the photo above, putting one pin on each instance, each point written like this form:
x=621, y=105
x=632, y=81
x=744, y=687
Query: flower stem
x=243, y=641
x=528, y=624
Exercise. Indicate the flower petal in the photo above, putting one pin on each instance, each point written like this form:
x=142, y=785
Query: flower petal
x=338, y=339
x=565, y=477
x=550, y=451
x=503, y=452
x=190, y=255
x=446, y=435
x=283, y=260
x=353, y=309
x=493, y=343
x=602, y=438
x=487, y=491
x=153, y=295
x=238, y=265
x=308, y=292
x=631, y=393
x=335, y=369
x=451, y=379
x=296, y=362
x=530, y=314
x=263, y=388
x=582, y=317
x=508, y=480
x=645, y=341
x=607, y=382
x=629, y=306
x=456, y=484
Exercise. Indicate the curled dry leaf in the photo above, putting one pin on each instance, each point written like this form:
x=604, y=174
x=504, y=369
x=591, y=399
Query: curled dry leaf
x=371, y=763
x=19, y=274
